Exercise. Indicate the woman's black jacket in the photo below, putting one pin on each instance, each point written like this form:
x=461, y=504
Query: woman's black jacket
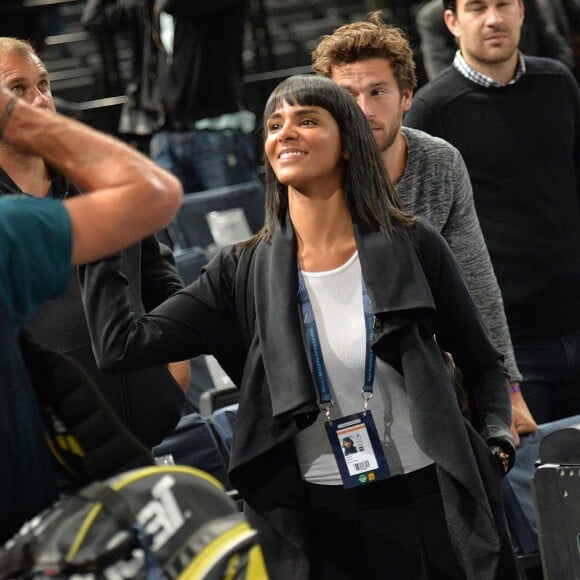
x=243, y=309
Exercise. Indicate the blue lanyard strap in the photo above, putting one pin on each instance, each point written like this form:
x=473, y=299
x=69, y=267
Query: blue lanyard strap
x=370, y=357
x=320, y=373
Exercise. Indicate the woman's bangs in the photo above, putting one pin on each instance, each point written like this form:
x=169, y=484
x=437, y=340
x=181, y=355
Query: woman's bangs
x=309, y=91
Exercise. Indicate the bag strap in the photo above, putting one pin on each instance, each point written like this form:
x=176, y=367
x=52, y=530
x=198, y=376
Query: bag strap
x=113, y=502
x=119, y=509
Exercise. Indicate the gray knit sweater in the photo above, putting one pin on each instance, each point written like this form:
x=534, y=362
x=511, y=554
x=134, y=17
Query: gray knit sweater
x=436, y=186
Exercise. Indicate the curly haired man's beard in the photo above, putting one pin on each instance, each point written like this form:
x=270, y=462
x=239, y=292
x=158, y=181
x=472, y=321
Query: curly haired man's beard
x=388, y=139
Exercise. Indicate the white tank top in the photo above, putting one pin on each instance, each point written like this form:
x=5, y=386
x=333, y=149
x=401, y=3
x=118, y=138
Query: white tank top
x=336, y=297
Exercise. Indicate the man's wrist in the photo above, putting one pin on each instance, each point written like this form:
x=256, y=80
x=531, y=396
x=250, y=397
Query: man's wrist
x=515, y=387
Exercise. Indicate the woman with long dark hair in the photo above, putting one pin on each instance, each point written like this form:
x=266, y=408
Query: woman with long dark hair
x=332, y=321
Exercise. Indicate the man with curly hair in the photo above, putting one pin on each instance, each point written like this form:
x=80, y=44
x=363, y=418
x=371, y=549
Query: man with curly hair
x=374, y=63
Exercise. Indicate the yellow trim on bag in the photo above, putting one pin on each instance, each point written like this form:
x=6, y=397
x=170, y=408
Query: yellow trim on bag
x=256, y=567
x=75, y=546
x=216, y=550
x=74, y=446
x=126, y=480
x=61, y=441
x=70, y=444
x=232, y=567
x=153, y=469
x=56, y=455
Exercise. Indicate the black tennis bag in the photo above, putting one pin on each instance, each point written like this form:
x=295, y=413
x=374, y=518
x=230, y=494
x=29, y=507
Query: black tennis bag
x=150, y=523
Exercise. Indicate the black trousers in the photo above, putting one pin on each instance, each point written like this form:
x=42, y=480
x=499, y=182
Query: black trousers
x=393, y=529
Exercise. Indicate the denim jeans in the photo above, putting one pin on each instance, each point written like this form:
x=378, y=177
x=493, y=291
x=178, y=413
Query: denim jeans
x=551, y=371
x=206, y=159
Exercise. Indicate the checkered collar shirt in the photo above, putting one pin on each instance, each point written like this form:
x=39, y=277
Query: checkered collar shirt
x=471, y=74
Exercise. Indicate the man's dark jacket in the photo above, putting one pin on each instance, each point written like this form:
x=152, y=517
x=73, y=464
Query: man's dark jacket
x=148, y=402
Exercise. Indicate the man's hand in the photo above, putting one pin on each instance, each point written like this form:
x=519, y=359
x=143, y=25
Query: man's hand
x=522, y=420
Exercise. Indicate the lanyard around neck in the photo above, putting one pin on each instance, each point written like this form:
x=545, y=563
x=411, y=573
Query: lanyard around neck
x=320, y=373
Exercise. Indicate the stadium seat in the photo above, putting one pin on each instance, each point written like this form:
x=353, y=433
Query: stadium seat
x=192, y=226
x=193, y=443
x=189, y=262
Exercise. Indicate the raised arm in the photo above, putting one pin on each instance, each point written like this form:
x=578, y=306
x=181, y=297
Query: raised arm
x=200, y=319
x=128, y=196
x=159, y=281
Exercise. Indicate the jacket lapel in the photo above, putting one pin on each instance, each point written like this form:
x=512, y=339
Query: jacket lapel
x=405, y=300
x=292, y=388
x=406, y=297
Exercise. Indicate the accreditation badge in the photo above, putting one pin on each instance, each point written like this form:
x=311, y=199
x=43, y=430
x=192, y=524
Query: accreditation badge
x=357, y=449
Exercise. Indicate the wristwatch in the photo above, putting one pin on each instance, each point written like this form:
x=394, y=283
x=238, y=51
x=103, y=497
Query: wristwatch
x=502, y=457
